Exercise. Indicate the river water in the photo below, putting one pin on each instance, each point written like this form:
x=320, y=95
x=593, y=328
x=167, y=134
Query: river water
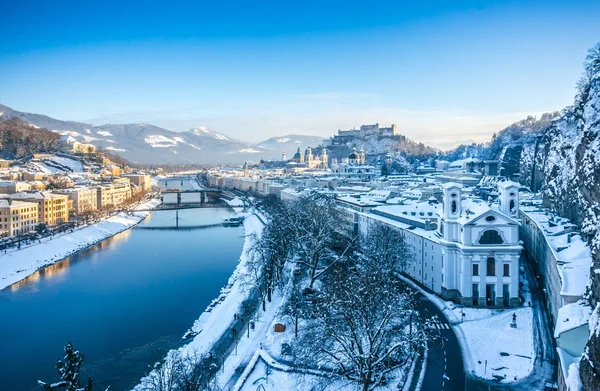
x=124, y=302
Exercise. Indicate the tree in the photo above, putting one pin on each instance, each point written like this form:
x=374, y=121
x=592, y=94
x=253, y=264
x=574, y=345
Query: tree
x=319, y=225
x=386, y=247
x=183, y=372
x=360, y=327
x=69, y=372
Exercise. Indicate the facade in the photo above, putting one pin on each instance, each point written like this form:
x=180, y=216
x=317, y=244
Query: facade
x=141, y=180
x=52, y=208
x=563, y=260
x=84, y=199
x=13, y=187
x=68, y=143
x=320, y=162
x=17, y=217
x=464, y=250
x=113, y=194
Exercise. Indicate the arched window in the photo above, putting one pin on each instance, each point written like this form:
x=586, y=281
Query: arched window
x=453, y=206
x=491, y=266
x=491, y=236
x=511, y=206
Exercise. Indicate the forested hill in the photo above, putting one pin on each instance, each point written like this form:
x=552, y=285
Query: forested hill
x=508, y=145
x=18, y=139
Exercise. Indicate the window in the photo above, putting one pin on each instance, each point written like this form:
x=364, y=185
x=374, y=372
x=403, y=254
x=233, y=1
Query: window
x=453, y=206
x=490, y=218
x=475, y=269
x=491, y=266
x=511, y=206
x=506, y=271
x=491, y=236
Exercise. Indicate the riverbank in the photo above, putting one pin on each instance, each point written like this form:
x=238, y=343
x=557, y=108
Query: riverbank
x=15, y=264
x=216, y=321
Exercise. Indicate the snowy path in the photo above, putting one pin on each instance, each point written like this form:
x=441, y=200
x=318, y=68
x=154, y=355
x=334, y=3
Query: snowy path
x=16, y=264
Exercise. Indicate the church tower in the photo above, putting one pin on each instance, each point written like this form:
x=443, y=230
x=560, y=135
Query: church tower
x=450, y=228
x=309, y=157
x=324, y=158
x=246, y=169
x=362, y=156
x=509, y=198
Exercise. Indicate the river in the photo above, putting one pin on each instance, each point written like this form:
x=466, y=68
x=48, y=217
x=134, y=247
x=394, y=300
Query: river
x=124, y=302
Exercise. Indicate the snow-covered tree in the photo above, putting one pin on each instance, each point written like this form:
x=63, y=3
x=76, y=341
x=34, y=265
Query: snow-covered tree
x=360, y=327
x=69, y=371
x=385, y=246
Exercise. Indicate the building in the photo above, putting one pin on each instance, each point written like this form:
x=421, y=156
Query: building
x=464, y=250
x=140, y=180
x=52, y=208
x=113, y=194
x=563, y=260
x=84, y=199
x=4, y=163
x=67, y=143
x=316, y=162
x=12, y=187
x=17, y=217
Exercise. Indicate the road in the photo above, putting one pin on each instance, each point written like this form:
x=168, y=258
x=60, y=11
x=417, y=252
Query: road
x=445, y=368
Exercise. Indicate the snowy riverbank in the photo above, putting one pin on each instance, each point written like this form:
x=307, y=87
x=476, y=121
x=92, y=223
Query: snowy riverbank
x=217, y=318
x=15, y=265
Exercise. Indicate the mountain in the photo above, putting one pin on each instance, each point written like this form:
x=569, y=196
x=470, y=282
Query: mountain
x=275, y=146
x=144, y=143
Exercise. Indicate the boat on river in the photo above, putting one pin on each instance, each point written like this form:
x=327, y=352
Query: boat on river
x=233, y=221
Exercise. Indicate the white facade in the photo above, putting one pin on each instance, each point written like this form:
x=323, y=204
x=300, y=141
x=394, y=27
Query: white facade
x=469, y=252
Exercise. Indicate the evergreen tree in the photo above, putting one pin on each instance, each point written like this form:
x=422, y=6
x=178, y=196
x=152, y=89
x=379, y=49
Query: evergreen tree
x=69, y=372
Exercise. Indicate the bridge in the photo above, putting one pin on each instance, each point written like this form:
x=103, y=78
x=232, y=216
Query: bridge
x=192, y=199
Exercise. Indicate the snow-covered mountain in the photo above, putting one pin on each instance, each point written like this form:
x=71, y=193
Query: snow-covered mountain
x=145, y=143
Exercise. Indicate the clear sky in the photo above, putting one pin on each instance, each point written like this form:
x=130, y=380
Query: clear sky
x=444, y=71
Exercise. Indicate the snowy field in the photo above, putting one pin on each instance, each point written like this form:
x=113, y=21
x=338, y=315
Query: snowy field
x=509, y=352
x=15, y=265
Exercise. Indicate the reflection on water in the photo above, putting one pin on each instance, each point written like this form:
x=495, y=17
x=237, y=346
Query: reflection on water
x=46, y=273
x=124, y=302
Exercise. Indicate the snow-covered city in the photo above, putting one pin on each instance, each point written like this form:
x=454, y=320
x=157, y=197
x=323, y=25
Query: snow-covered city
x=212, y=197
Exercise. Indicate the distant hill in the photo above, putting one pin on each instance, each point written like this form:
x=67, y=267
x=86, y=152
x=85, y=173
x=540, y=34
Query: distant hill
x=18, y=139
x=145, y=143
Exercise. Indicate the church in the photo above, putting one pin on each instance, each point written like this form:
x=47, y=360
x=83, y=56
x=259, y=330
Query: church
x=464, y=249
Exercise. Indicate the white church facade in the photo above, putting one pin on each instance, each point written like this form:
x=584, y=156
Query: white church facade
x=465, y=250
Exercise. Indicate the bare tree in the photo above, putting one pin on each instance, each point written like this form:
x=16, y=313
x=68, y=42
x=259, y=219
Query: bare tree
x=319, y=225
x=361, y=327
x=183, y=372
x=385, y=246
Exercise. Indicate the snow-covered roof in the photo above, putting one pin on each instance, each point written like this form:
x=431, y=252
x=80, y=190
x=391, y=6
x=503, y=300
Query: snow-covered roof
x=571, y=316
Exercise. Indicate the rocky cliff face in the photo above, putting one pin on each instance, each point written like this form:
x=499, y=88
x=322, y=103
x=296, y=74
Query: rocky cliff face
x=567, y=170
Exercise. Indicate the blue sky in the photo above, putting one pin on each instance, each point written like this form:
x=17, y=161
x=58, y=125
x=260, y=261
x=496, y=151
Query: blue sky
x=445, y=72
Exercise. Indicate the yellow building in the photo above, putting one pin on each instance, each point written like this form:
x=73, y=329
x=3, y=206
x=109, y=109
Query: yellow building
x=113, y=194
x=52, y=208
x=140, y=180
x=84, y=199
x=33, y=176
x=17, y=217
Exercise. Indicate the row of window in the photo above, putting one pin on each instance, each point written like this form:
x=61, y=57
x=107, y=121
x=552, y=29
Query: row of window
x=491, y=268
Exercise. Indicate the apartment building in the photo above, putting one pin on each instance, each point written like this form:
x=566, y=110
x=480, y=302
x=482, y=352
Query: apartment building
x=17, y=217
x=84, y=199
x=113, y=194
x=52, y=208
x=140, y=180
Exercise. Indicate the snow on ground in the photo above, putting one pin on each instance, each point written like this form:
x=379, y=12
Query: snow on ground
x=508, y=352
x=158, y=141
x=15, y=264
x=264, y=371
x=74, y=165
x=104, y=133
x=115, y=149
